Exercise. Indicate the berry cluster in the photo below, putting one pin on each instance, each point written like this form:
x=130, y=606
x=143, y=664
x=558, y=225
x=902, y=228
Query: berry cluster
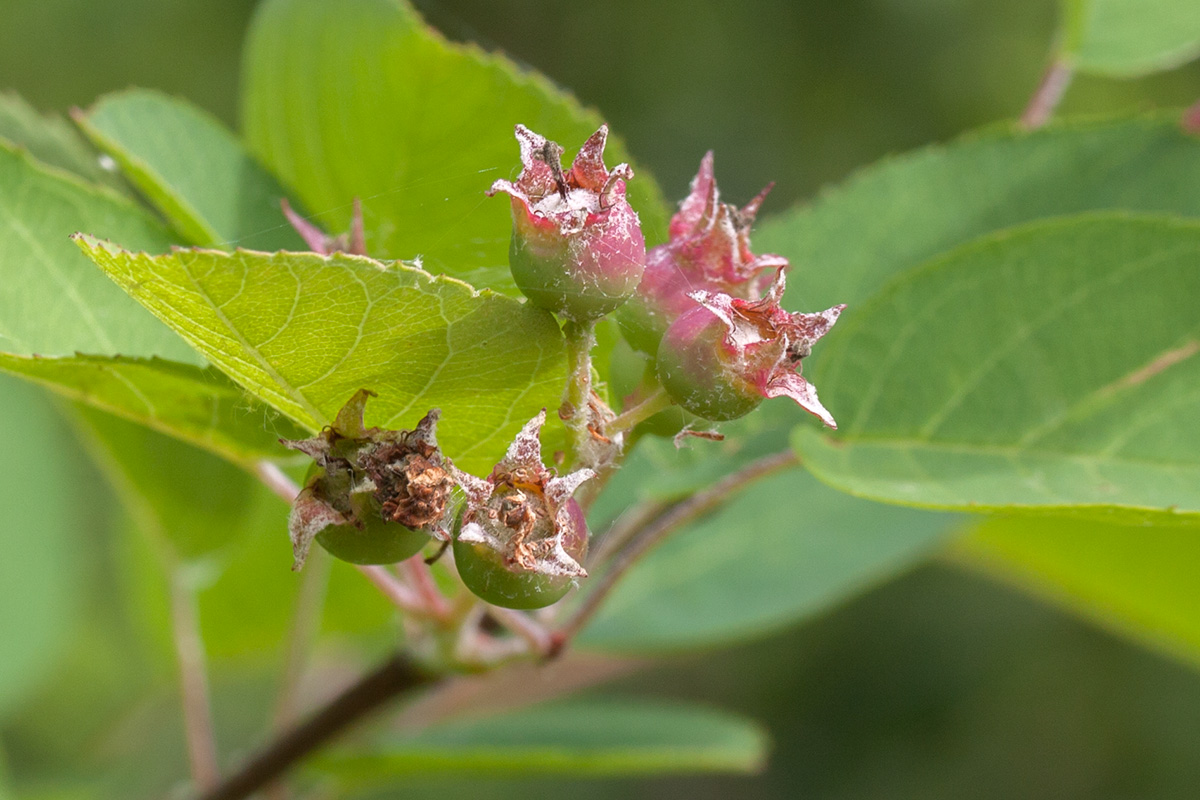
x=703, y=306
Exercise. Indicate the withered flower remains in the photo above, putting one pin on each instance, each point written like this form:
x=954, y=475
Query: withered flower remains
x=374, y=495
x=577, y=247
x=722, y=358
x=709, y=250
x=521, y=526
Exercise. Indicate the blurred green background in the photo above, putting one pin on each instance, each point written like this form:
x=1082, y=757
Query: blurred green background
x=938, y=685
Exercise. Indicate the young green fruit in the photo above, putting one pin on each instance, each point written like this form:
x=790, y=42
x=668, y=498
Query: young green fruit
x=521, y=538
x=374, y=540
x=372, y=496
x=708, y=249
x=577, y=247
x=498, y=579
x=724, y=357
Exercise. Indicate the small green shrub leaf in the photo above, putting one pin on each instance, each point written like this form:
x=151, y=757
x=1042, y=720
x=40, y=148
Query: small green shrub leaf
x=1139, y=581
x=190, y=502
x=304, y=332
x=38, y=580
x=200, y=406
x=597, y=737
x=902, y=212
x=784, y=549
x=52, y=301
x=1055, y=367
x=50, y=140
x=365, y=100
x=192, y=170
x=1128, y=38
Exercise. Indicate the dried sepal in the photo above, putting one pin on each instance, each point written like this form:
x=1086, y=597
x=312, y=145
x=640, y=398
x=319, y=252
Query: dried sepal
x=708, y=250
x=724, y=357
x=525, y=512
x=373, y=475
x=309, y=516
x=353, y=242
x=577, y=246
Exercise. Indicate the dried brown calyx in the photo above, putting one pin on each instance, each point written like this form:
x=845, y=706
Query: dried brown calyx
x=371, y=474
x=526, y=513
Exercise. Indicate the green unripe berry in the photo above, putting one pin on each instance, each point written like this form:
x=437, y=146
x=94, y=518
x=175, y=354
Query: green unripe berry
x=378, y=541
x=495, y=578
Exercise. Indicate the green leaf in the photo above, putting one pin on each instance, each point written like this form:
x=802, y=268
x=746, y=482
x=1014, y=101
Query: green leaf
x=1049, y=368
x=784, y=549
x=1141, y=582
x=199, y=406
x=52, y=301
x=597, y=737
x=364, y=100
x=191, y=169
x=190, y=502
x=38, y=580
x=904, y=211
x=304, y=332
x=1128, y=38
x=50, y=140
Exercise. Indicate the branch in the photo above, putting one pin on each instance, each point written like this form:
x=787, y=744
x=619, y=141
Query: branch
x=1048, y=95
x=276, y=480
x=193, y=685
x=394, y=677
x=658, y=529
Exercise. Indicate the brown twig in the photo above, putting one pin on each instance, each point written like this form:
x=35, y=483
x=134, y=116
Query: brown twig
x=658, y=529
x=394, y=677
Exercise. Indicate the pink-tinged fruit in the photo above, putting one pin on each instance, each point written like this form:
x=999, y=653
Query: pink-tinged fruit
x=577, y=247
x=521, y=537
x=726, y=355
x=708, y=250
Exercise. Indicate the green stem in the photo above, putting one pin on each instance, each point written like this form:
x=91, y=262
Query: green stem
x=193, y=683
x=581, y=338
x=658, y=401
